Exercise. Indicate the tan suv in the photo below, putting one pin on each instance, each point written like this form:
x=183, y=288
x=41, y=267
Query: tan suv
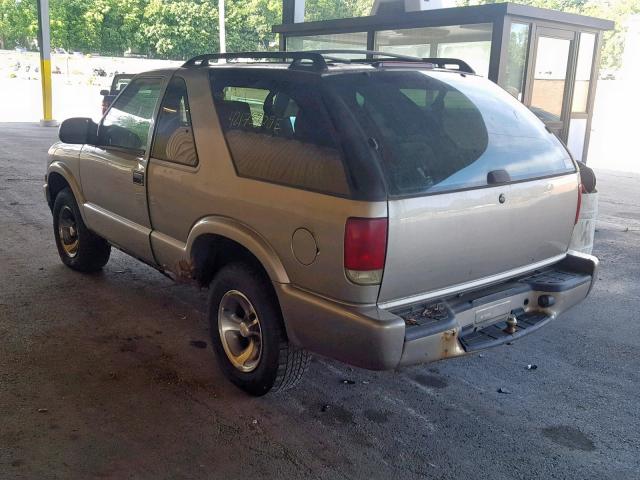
x=380, y=210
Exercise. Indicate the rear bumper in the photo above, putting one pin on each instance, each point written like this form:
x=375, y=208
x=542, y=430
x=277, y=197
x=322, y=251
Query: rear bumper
x=378, y=339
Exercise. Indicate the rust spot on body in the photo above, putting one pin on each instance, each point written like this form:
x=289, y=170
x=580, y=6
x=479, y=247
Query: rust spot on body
x=183, y=272
x=186, y=269
x=449, y=343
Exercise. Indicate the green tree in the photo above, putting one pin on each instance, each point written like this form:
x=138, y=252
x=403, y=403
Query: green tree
x=68, y=28
x=112, y=25
x=180, y=28
x=248, y=24
x=328, y=9
x=18, y=23
x=613, y=42
x=159, y=28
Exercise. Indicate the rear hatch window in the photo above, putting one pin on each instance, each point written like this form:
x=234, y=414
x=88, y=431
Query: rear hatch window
x=442, y=131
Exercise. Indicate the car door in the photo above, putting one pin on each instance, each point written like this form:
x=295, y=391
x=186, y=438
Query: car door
x=178, y=187
x=113, y=171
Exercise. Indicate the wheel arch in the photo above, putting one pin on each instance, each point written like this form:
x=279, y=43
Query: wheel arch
x=214, y=235
x=60, y=177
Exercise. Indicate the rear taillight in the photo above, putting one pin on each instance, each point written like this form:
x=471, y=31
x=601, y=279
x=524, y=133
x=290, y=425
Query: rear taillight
x=365, y=247
x=579, y=203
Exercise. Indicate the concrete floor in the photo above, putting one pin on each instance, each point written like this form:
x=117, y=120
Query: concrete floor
x=98, y=377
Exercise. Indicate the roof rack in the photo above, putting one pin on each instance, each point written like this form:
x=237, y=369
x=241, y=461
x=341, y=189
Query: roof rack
x=443, y=62
x=369, y=55
x=317, y=61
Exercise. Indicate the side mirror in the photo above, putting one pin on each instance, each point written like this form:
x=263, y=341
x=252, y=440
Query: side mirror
x=78, y=131
x=104, y=93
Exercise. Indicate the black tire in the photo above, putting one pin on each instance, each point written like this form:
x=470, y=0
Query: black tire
x=280, y=365
x=91, y=252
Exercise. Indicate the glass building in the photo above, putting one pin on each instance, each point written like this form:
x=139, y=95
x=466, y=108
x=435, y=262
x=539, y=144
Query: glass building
x=546, y=59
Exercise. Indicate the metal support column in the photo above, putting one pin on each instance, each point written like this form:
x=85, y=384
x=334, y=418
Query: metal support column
x=299, y=11
x=221, y=27
x=44, y=42
x=293, y=11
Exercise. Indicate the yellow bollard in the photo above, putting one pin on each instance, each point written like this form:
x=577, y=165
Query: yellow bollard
x=45, y=72
x=44, y=41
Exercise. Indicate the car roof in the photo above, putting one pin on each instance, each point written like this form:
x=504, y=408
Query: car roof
x=157, y=71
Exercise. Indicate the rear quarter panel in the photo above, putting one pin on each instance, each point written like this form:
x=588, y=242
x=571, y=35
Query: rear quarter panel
x=180, y=196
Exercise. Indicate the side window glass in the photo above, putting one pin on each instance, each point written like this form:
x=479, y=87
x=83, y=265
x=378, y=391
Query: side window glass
x=173, y=139
x=254, y=97
x=279, y=131
x=127, y=123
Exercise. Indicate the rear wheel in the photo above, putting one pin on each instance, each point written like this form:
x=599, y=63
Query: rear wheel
x=247, y=332
x=78, y=247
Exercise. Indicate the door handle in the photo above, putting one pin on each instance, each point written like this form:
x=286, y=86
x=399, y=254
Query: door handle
x=138, y=177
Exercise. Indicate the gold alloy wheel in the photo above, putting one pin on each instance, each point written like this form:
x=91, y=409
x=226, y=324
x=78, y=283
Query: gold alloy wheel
x=240, y=331
x=68, y=231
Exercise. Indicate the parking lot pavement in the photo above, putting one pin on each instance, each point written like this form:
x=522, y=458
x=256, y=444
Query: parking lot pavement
x=98, y=377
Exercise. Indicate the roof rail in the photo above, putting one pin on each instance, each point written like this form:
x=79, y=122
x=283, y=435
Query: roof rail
x=366, y=53
x=443, y=62
x=319, y=58
x=370, y=54
x=317, y=61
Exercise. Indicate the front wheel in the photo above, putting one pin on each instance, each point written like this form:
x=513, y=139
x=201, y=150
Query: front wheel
x=247, y=332
x=78, y=247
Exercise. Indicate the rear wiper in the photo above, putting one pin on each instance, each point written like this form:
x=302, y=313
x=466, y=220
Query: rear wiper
x=495, y=177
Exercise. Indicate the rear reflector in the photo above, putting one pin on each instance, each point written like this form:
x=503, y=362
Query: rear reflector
x=365, y=247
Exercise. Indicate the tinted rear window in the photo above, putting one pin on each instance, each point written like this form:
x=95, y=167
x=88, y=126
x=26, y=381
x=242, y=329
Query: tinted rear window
x=438, y=131
x=279, y=131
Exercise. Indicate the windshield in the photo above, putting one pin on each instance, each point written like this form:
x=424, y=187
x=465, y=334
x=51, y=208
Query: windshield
x=441, y=131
